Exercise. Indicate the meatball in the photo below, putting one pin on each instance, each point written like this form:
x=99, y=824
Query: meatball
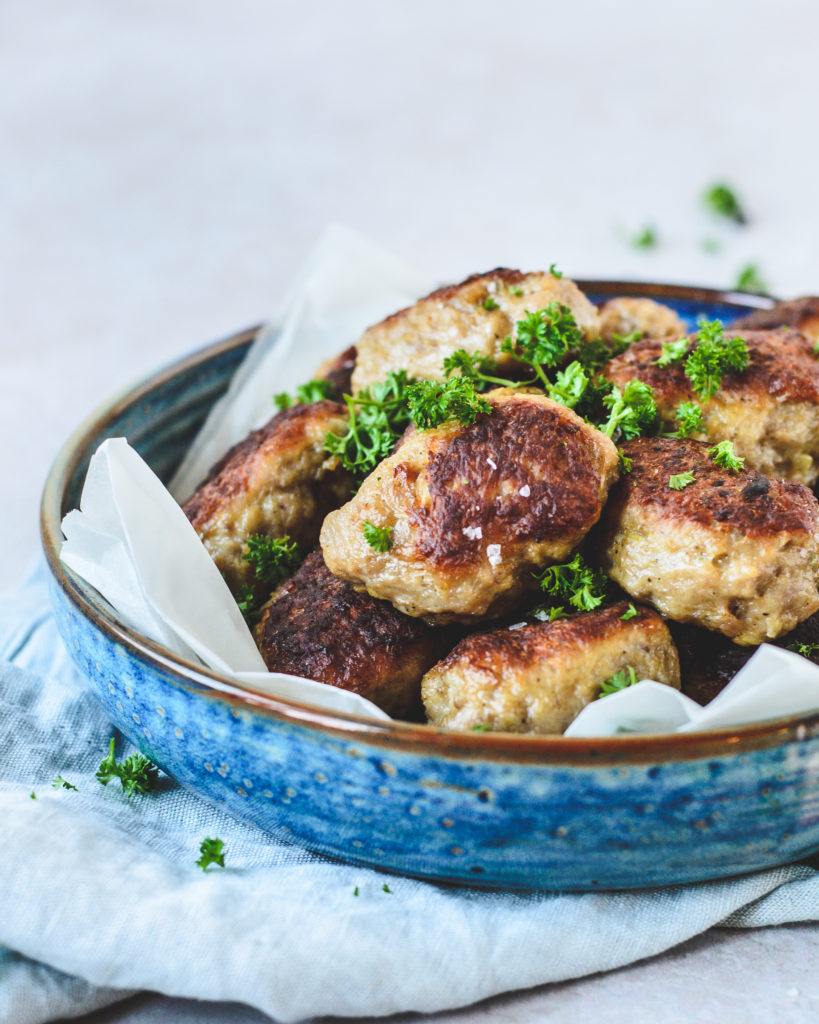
x=652, y=319
x=278, y=481
x=799, y=314
x=733, y=552
x=317, y=626
x=338, y=371
x=475, y=315
x=770, y=411
x=473, y=510
x=538, y=678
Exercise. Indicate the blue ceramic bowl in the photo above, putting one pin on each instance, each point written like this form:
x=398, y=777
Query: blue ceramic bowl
x=500, y=810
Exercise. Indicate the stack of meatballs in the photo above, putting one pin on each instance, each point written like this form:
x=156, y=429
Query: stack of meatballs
x=438, y=622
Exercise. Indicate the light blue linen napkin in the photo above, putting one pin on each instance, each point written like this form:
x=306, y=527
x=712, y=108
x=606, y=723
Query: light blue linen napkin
x=100, y=895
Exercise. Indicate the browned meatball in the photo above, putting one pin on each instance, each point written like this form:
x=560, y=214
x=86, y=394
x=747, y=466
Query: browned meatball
x=799, y=314
x=538, y=678
x=476, y=315
x=770, y=411
x=278, y=481
x=734, y=552
x=624, y=316
x=320, y=627
x=473, y=510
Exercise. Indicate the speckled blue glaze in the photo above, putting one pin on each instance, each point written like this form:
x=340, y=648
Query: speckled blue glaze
x=475, y=808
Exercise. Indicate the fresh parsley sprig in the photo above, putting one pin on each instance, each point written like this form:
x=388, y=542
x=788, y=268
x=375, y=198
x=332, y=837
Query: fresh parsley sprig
x=479, y=369
x=576, y=583
x=673, y=352
x=136, y=773
x=376, y=417
x=273, y=558
x=211, y=851
x=721, y=199
x=723, y=455
x=378, y=537
x=619, y=681
x=544, y=337
x=713, y=357
x=431, y=403
x=688, y=417
x=306, y=394
x=632, y=410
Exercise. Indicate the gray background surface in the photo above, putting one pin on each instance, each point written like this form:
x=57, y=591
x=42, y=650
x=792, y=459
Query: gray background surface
x=167, y=165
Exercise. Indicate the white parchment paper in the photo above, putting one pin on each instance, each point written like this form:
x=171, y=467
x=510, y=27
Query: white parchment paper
x=131, y=541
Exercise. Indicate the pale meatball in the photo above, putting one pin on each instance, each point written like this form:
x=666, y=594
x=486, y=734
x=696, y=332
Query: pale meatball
x=418, y=339
x=733, y=552
x=338, y=371
x=799, y=314
x=474, y=510
x=538, y=678
x=770, y=411
x=319, y=627
x=651, y=319
x=278, y=481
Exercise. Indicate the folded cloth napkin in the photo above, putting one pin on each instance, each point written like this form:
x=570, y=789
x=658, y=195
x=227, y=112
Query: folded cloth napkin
x=100, y=895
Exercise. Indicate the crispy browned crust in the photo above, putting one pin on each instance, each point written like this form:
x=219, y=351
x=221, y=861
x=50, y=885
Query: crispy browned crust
x=534, y=443
x=320, y=627
x=782, y=365
x=338, y=371
x=234, y=472
x=448, y=291
x=746, y=502
x=507, y=649
x=795, y=313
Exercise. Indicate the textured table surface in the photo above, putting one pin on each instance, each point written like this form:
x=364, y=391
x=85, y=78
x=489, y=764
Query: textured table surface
x=166, y=167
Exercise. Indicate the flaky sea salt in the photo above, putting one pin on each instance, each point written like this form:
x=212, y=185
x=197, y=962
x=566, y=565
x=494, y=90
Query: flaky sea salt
x=493, y=553
x=491, y=463
x=525, y=491
x=472, y=532
x=517, y=625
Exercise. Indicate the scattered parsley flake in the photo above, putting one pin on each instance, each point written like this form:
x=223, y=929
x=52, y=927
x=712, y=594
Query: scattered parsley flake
x=250, y=605
x=386, y=888
x=722, y=200
x=432, y=402
x=625, y=461
x=619, y=681
x=713, y=357
x=750, y=280
x=632, y=411
x=688, y=416
x=673, y=352
x=679, y=481
x=61, y=783
x=32, y=795
x=273, y=558
x=212, y=851
x=554, y=271
x=489, y=304
x=136, y=773
x=630, y=613
x=645, y=239
x=711, y=246
x=724, y=456
x=378, y=537
x=356, y=891
x=576, y=582
x=376, y=416
x=516, y=290
x=816, y=348
x=806, y=650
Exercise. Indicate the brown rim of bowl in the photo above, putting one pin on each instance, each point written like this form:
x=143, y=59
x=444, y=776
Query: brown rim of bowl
x=412, y=737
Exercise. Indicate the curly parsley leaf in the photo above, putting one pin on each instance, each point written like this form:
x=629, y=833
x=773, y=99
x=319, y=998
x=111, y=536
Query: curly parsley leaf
x=431, y=402
x=630, y=613
x=548, y=613
x=61, y=783
x=576, y=583
x=619, y=681
x=378, y=537
x=721, y=200
x=750, y=280
x=376, y=417
x=723, y=455
x=713, y=357
x=673, y=352
x=679, y=481
x=554, y=271
x=273, y=558
x=806, y=650
x=632, y=411
x=625, y=461
x=211, y=851
x=489, y=304
x=688, y=417
x=544, y=337
x=250, y=605
x=136, y=773
x=570, y=385
x=306, y=394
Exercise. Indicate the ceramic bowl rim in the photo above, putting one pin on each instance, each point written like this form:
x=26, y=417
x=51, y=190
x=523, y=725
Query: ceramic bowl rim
x=406, y=736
